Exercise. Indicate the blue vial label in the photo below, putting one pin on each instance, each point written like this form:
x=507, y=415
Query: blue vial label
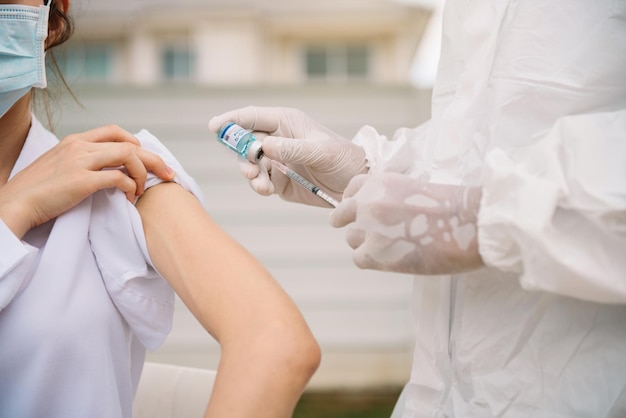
x=236, y=138
x=233, y=135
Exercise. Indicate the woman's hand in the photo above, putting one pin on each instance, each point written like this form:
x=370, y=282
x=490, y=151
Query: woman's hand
x=78, y=166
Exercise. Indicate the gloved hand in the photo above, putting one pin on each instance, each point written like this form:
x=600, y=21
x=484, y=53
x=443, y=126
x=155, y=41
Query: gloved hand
x=307, y=147
x=403, y=225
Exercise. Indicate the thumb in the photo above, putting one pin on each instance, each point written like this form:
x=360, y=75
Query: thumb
x=290, y=150
x=216, y=122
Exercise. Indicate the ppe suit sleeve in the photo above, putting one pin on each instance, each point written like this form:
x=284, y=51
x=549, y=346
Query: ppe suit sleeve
x=555, y=212
x=16, y=259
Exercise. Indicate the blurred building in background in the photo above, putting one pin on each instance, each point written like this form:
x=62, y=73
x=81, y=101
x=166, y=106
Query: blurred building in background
x=169, y=66
x=244, y=42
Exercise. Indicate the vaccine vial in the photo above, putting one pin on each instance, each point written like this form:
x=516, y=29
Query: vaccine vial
x=241, y=141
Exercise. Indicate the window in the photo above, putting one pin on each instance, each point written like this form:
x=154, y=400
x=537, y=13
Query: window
x=86, y=62
x=316, y=62
x=177, y=62
x=357, y=61
x=336, y=62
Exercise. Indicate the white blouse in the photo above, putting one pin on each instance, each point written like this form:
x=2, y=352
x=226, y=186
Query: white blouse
x=80, y=302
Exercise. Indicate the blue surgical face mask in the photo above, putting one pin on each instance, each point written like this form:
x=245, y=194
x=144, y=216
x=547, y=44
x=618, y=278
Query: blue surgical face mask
x=23, y=30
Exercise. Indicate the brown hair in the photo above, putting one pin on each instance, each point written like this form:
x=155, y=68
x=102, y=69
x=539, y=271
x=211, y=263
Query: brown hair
x=60, y=29
x=60, y=24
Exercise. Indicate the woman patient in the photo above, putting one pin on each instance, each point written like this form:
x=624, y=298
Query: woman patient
x=97, y=231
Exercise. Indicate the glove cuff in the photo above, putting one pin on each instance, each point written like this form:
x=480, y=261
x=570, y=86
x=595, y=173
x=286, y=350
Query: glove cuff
x=377, y=147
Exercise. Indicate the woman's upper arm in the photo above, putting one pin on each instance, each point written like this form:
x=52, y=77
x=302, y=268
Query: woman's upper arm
x=223, y=285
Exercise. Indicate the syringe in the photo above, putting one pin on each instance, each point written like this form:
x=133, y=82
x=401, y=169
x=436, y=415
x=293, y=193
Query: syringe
x=246, y=145
x=305, y=183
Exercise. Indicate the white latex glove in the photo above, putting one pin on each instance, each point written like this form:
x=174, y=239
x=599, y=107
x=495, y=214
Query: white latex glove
x=310, y=149
x=403, y=225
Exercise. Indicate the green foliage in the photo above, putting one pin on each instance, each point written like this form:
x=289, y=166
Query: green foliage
x=377, y=404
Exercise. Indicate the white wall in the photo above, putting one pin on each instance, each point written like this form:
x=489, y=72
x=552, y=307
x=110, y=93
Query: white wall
x=141, y=60
x=229, y=53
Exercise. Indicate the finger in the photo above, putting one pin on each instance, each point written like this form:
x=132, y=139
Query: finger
x=355, y=185
x=155, y=164
x=262, y=183
x=355, y=237
x=262, y=186
x=259, y=135
x=135, y=160
x=248, y=169
x=252, y=118
x=364, y=254
x=107, y=133
x=373, y=253
x=244, y=117
x=115, y=134
x=364, y=261
x=216, y=122
x=344, y=213
x=114, y=178
x=281, y=183
x=290, y=150
x=136, y=170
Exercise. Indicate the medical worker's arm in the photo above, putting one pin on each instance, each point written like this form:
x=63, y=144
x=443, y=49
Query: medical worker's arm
x=309, y=148
x=556, y=211
x=556, y=214
x=268, y=352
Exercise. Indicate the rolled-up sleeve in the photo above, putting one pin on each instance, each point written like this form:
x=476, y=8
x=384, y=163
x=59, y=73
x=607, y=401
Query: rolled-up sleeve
x=151, y=143
x=140, y=293
x=15, y=262
x=555, y=212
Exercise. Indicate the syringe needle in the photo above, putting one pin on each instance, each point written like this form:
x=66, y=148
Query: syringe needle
x=305, y=183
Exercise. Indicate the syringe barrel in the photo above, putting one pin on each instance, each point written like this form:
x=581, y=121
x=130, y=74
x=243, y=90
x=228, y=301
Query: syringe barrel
x=302, y=181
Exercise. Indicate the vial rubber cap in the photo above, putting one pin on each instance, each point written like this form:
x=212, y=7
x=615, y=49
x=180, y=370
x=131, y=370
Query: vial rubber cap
x=255, y=152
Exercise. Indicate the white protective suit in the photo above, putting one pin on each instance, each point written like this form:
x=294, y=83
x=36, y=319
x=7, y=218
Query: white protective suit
x=530, y=103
